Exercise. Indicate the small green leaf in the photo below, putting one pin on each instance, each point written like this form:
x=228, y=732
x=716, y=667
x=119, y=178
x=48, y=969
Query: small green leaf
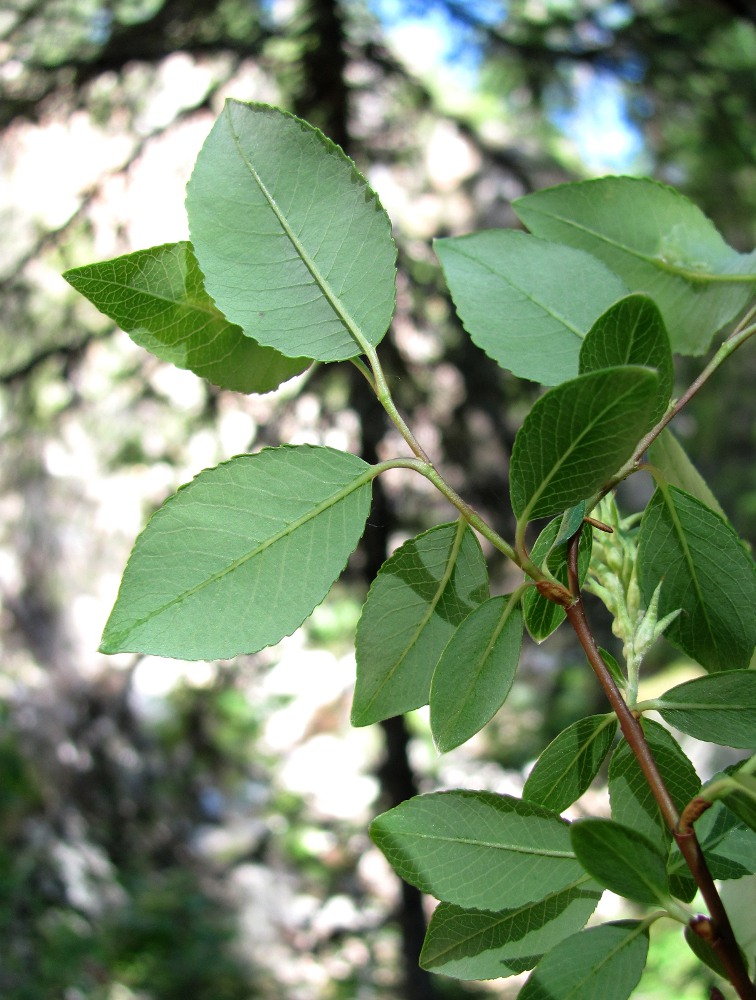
x=614, y=668
x=632, y=800
x=478, y=849
x=294, y=244
x=720, y=708
x=576, y=436
x=526, y=302
x=158, y=297
x=239, y=557
x=570, y=762
x=479, y=944
x=543, y=616
x=658, y=242
x=631, y=332
x=621, y=859
x=419, y=598
x=595, y=964
x=669, y=457
x=475, y=672
x=704, y=570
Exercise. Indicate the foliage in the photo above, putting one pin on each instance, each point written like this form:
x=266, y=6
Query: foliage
x=297, y=252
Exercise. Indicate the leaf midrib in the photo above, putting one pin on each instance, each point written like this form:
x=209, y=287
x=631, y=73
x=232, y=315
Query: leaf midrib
x=451, y=562
x=278, y=536
x=350, y=324
x=556, y=467
x=580, y=334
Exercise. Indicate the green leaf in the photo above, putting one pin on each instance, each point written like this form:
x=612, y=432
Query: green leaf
x=570, y=762
x=669, y=457
x=658, y=242
x=478, y=849
x=704, y=570
x=728, y=845
x=158, y=297
x=614, y=668
x=576, y=436
x=475, y=673
x=740, y=798
x=239, y=557
x=478, y=944
x=542, y=616
x=526, y=302
x=632, y=800
x=419, y=598
x=595, y=964
x=720, y=708
x=621, y=859
x=294, y=245
x=631, y=332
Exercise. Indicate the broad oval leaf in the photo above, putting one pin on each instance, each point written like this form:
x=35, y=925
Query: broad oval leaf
x=670, y=458
x=568, y=765
x=720, y=708
x=475, y=673
x=478, y=849
x=658, y=242
x=158, y=297
x=239, y=557
x=526, y=302
x=479, y=944
x=294, y=244
x=577, y=435
x=621, y=859
x=704, y=570
x=422, y=593
x=543, y=616
x=632, y=801
x=595, y=964
x=631, y=332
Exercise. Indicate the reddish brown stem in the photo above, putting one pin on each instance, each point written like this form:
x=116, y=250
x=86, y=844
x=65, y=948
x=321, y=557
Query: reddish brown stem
x=724, y=942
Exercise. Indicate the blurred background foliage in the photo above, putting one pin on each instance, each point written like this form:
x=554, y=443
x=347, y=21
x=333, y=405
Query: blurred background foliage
x=174, y=830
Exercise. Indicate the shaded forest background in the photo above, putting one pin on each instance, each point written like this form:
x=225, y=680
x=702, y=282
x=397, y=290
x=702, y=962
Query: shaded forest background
x=174, y=830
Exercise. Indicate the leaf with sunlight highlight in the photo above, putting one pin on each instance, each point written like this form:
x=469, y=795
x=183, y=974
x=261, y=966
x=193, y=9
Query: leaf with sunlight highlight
x=239, y=557
x=158, y=297
x=526, y=302
x=294, y=244
x=658, y=242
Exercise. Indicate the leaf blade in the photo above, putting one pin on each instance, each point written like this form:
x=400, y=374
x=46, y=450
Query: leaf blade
x=475, y=672
x=705, y=571
x=621, y=859
x=658, y=242
x=526, y=302
x=296, y=247
x=575, y=436
x=720, y=708
x=421, y=595
x=477, y=849
x=568, y=765
x=158, y=297
x=480, y=944
x=631, y=332
x=601, y=962
x=282, y=521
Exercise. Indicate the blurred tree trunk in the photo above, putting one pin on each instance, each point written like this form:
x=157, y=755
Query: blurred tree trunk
x=324, y=101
